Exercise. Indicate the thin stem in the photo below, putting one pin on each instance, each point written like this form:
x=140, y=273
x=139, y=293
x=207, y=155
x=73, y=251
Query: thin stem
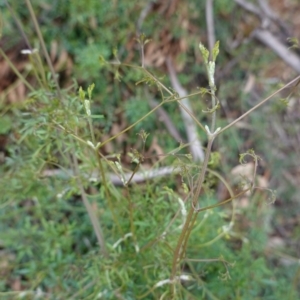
x=37, y=62
x=93, y=218
x=143, y=56
x=70, y=132
x=214, y=113
x=106, y=190
x=19, y=25
x=258, y=105
x=147, y=72
x=131, y=218
x=16, y=71
x=41, y=39
x=201, y=177
x=207, y=260
x=224, y=202
x=149, y=113
x=131, y=126
x=213, y=96
x=102, y=173
x=229, y=189
x=188, y=233
x=133, y=173
x=180, y=242
x=91, y=130
x=190, y=219
x=37, y=67
x=190, y=114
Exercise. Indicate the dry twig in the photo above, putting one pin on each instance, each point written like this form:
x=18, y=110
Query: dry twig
x=264, y=34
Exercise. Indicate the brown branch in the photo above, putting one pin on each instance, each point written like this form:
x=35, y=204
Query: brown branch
x=267, y=38
x=267, y=16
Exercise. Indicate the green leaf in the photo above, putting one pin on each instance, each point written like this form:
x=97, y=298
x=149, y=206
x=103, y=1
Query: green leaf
x=216, y=50
x=81, y=94
x=5, y=124
x=90, y=90
x=97, y=116
x=204, y=52
x=294, y=42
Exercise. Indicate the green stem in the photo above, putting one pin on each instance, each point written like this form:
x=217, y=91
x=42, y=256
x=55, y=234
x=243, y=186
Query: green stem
x=213, y=117
x=188, y=233
x=191, y=217
x=131, y=218
x=90, y=211
x=191, y=115
x=201, y=177
x=131, y=126
x=91, y=130
x=16, y=71
x=106, y=191
x=149, y=113
x=258, y=105
x=41, y=39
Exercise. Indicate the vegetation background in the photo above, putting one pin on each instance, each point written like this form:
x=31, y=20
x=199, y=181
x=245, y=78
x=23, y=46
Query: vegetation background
x=48, y=246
